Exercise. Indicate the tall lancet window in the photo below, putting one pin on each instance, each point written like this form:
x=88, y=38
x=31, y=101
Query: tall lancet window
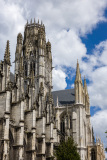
x=62, y=125
x=31, y=53
x=25, y=68
x=31, y=68
x=93, y=156
x=34, y=68
x=70, y=122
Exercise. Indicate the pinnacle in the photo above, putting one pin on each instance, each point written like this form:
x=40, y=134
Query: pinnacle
x=34, y=20
x=41, y=23
x=78, y=75
x=85, y=84
x=7, y=53
x=84, y=81
x=31, y=21
x=35, y=23
x=48, y=43
x=57, y=101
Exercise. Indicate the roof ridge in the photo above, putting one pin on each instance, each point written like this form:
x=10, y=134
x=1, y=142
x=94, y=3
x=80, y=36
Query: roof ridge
x=63, y=90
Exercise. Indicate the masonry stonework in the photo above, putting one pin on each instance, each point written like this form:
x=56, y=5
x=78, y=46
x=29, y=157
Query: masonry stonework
x=33, y=119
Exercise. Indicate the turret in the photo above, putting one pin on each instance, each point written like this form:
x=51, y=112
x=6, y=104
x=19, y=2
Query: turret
x=78, y=86
x=18, y=55
x=48, y=50
x=7, y=54
x=85, y=87
x=5, y=67
x=57, y=102
x=19, y=39
x=86, y=97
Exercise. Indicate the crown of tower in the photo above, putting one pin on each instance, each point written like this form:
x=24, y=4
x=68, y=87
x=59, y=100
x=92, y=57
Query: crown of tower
x=34, y=23
x=78, y=74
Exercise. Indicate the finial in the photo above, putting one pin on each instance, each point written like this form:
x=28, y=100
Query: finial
x=38, y=21
x=85, y=86
x=57, y=102
x=78, y=75
x=0, y=65
x=77, y=63
x=31, y=21
x=100, y=140
x=27, y=21
x=7, y=53
x=41, y=22
x=67, y=109
x=96, y=139
x=84, y=81
x=34, y=20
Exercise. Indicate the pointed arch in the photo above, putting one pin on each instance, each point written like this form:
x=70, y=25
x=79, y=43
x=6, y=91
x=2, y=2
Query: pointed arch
x=11, y=143
x=93, y=154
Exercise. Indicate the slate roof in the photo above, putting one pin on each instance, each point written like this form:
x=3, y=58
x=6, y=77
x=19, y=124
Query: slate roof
x=65, y=97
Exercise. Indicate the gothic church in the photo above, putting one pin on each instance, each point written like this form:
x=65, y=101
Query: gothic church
x=33, y=119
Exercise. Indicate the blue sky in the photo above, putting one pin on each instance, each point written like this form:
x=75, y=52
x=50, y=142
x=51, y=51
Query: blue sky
x=77, y=30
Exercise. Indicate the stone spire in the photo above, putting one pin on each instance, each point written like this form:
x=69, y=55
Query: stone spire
x=85, y=86
x=34, y=20
x=31, y=21
x=57, y=102
x=78, y=86
x=86, y=96
x=41, y=23
x=48, y=49
x=78, y=74
x=7, y=53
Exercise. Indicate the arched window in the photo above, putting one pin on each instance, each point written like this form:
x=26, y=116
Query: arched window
x=11, y=143
x=70, y=122
x=93, y=156
x=25, y=68
x=62, y=126
x=34, y=68
x=31, y=53
x=31, y=68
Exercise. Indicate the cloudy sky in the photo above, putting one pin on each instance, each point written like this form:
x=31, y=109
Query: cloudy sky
x=77, y=30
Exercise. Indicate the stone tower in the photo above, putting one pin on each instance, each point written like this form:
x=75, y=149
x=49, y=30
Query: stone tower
x=27, y=131
x=33, y=119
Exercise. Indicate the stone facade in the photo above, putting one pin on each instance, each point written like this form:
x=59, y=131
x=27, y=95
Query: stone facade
x=32, y=122
x=96, y=151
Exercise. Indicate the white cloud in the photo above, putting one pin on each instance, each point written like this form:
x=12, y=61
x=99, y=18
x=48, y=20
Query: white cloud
x=11, y=23
x=95, y=70
x=80, y=17
x=68, y=47
x=59, y=79
x=97, y=88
